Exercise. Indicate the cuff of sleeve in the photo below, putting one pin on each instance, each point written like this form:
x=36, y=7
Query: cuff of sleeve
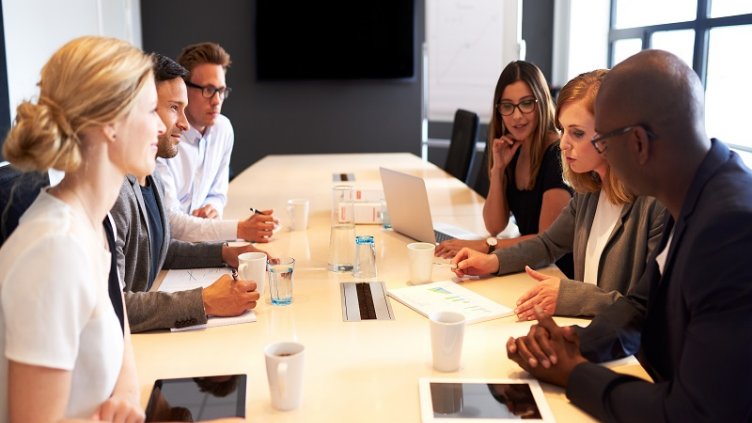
x=498, y=252
x=587, y=387
x=567, y=303
x=228, y=229
x=215, y=250
x=198, y=306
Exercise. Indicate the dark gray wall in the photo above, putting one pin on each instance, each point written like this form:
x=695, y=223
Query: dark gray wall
x=289, y=117
x=538, y=33
x=4, y=99
x=294, y=117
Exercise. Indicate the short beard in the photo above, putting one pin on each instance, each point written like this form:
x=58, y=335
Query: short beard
x=165, y=149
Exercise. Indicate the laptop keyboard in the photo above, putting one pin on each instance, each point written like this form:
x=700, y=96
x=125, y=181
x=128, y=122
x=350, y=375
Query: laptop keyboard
x=441, y=236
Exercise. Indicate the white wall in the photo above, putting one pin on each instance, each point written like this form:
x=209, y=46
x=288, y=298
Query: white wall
x=468, y=44
x=34, y=29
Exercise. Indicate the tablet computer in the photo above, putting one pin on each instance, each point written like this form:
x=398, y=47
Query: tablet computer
x=197, y=398
x=444, y=400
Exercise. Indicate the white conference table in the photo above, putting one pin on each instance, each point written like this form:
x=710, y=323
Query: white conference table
x=364, y=371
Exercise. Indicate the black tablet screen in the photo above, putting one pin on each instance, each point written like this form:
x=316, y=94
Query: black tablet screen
x=197, y=398
x=480, y=400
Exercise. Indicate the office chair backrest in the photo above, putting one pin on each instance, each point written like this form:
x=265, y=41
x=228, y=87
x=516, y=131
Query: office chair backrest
x=17, y=191
x=462, y=145
x=479, y=182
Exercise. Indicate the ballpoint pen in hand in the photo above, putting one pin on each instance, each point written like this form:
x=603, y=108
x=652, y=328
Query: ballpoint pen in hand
x=234, y=274
x=255, y=211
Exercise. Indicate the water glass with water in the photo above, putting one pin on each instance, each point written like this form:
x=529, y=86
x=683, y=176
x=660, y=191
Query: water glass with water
x=281, y=271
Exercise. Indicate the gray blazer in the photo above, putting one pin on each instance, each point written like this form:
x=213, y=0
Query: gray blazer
x=156, y=310
x=621, y=264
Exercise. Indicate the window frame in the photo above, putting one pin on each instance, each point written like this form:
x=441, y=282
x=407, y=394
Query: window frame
x=702, y=24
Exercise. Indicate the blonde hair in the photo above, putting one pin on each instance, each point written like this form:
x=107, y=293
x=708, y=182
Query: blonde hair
x=583, y=89
x=89, y=82
x=530, y=74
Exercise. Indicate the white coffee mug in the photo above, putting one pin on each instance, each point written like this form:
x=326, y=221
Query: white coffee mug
x=284, y=370
x=420, y=255
x=297, y=211
x=252, y=267
x=447, y=333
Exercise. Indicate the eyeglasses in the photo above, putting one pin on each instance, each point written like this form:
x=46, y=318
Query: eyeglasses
x=209, y=90
x=525, y=106
x=600, y=145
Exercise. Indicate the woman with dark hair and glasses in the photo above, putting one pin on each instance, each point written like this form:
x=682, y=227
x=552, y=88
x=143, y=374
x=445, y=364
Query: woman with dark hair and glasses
x=524, y=163
x=610, y=232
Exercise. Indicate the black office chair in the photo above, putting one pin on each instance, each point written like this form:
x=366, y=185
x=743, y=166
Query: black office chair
x=17, y=191
x=462, y=145
x=479, y=181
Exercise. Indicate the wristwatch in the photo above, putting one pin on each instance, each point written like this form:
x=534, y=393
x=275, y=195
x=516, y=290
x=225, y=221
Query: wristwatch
x=491, y=242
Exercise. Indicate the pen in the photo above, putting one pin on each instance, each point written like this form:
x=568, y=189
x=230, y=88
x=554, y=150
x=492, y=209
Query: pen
x=255, y=211
x=234, y=274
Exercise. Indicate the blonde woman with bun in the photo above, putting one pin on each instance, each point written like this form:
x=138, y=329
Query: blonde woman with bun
x=63, y=353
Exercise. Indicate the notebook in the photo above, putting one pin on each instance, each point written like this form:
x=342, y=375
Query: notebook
x=409, y=211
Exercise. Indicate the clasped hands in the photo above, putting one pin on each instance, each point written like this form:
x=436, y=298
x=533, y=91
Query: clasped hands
x=548, y=352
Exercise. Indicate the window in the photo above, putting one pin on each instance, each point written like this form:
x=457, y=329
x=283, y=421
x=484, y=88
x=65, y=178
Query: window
x=681, y=42
x=700, y=33
x=640, y=13
x=625, y=48
x=727, y=88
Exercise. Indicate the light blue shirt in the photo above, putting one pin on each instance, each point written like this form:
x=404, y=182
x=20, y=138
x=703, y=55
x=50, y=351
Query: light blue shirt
x=200, y=173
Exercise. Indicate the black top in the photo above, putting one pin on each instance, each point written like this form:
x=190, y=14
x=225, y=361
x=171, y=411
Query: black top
x=526, y=205
x=156, y=231
x=113, y=283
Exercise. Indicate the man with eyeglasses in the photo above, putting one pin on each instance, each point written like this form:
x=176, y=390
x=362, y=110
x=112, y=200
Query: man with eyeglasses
x=196, y=181
x=690, y=318
x=144, y=244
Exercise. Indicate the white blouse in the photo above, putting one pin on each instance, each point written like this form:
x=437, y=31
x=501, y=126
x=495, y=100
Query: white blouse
x=55, y=310
x=604, y=222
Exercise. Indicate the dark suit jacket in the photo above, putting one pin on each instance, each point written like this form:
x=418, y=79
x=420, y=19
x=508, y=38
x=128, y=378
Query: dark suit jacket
x=156, y=310
x=693, y=323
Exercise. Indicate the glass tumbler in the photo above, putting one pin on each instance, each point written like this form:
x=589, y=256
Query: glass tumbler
x=365, y=257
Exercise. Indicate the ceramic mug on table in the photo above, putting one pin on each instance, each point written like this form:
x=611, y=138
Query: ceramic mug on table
x=252, y=267
x=284, y=371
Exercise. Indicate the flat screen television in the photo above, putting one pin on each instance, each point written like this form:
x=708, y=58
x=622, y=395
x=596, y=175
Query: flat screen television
x=355, y=39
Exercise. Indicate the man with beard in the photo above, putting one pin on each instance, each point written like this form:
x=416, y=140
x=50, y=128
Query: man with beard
x=145, y=244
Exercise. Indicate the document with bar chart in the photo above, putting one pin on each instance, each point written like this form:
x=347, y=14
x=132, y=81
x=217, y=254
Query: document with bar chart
x=449, y=296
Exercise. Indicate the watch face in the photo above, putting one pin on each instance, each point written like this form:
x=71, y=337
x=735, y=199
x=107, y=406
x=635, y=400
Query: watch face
x=491, y=241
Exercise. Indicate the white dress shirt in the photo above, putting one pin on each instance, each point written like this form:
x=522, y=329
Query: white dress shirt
x=200, y=173
x=197, y=229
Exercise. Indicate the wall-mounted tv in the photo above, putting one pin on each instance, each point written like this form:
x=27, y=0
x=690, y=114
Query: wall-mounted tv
x=355, y=39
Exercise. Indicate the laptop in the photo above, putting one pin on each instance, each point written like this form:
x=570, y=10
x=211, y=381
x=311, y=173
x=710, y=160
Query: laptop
x=407, y=204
